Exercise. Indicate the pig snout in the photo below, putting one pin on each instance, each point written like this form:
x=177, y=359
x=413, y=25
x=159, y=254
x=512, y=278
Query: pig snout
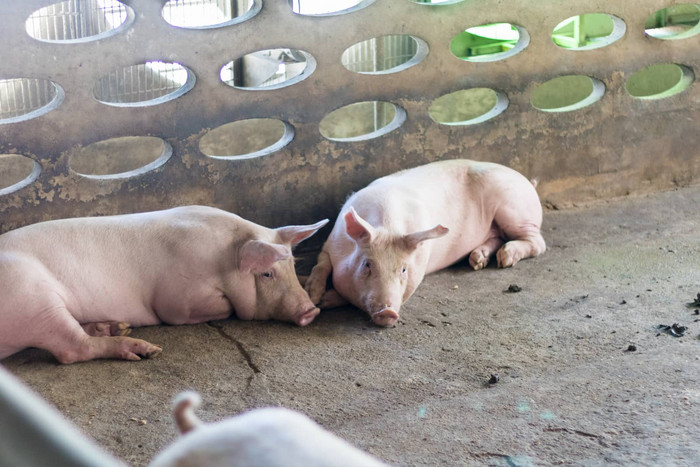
x=386, y=317
x=383, y=307
x=297, y=307
x=306, y=317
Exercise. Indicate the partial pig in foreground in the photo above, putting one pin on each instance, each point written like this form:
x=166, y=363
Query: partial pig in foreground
x=402, y=226
x=75, y=286
x=269, y=437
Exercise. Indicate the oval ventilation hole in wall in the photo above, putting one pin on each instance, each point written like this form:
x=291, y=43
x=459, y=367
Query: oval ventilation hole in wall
x=268, y=69
x=149, y=83
x=246, y=139
x=16, y=172
x=674, y=22
x=385, y=54
x=468, y=106
x=123, y=157
x=489, y=42
x=328, y=8
x=659, y=81
x=362, y=121
x=589, y=31
x=436, y=2
x=26, y=98
x=207, y=14
x=76, y=21
x=567, y=93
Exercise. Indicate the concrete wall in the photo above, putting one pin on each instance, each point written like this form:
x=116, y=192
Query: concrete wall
x=617, y=146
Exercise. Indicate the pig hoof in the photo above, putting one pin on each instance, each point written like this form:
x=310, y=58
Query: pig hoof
x=107, y=328
x=506, y=257
x=153, y=351
x=120, y=329
x=134, y=349
x=385, y=317
x=477, y=260
x=132, y=357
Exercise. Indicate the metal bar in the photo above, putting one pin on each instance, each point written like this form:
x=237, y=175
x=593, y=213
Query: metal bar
x=72, y=21
x=14, y=96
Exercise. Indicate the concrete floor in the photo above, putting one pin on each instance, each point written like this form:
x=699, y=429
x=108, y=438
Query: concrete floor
x=570, y=391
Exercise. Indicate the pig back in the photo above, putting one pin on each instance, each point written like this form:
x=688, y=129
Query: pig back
x=482, y=200
x=113, y=263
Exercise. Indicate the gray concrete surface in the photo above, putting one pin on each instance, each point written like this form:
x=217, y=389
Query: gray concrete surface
x=570, y=391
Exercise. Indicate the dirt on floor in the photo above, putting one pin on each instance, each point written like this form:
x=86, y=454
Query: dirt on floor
x=585, y=374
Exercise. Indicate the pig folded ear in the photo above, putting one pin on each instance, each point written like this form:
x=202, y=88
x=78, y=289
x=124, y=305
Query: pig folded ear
x=414, y=239
x=258, y=256
x=357, y=228
x=295, y=234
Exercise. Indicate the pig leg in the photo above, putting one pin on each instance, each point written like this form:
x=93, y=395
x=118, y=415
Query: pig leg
x=479, y=258
x=66, y=339
x=520, y=221
x=329, y=299
x=107, y=328
x=34, y=314
x=526, y=242
x=120, y=347
x=69, y=343
x=316, y=283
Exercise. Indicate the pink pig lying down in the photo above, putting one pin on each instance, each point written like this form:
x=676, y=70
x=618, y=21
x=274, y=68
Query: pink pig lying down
x=400, y=227
x=75, y=286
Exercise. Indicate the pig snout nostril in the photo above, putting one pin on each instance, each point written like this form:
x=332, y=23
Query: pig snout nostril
x=385, y=317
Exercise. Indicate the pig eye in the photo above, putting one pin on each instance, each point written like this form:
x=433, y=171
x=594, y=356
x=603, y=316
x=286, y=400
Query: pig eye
x=404, y=270
x=367, y=264
x=267, y=274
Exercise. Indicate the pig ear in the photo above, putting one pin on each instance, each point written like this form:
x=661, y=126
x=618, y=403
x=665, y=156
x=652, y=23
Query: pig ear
x=413, y=240
x=357, y=228
x=294, y=234
x=258, y=256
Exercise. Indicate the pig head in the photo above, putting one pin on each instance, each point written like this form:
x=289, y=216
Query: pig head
x=267, y=275
x=383, y=268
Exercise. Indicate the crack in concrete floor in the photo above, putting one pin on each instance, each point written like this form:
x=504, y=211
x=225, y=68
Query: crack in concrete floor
x=239, y=345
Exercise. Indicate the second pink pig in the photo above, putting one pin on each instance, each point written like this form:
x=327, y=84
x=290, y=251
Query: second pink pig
x=417, y=221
